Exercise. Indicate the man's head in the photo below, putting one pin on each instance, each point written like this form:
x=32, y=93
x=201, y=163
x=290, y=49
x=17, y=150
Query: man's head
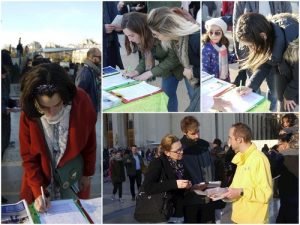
x=94, y=55
x=134, y=149
x=239, y=137
x=190, y=127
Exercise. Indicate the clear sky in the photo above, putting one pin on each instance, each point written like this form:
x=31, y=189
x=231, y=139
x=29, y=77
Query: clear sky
x=61, y=22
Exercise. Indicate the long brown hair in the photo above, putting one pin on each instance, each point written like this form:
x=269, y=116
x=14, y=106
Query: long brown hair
x=137, y=23
x=249, y=29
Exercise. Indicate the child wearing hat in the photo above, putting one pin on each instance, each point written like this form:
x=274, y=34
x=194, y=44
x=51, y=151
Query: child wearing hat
x=215, y=55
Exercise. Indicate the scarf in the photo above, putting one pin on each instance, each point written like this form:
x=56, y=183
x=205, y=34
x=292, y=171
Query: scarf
x=223, y=61
x=93, y=66
x=177, y=166
x=56, y=131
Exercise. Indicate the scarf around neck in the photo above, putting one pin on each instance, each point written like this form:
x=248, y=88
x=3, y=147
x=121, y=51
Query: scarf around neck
x=56, y=131
x=223, y=61
x=93, y=66
x=177, y=166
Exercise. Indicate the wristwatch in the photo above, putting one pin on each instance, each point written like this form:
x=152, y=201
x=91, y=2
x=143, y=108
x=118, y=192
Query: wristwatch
x=242, y=193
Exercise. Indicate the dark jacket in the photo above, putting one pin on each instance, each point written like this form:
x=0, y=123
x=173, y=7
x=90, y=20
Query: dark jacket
x=283, y=64
x=168, y=63
x=152, y=184
x=199, y=166
x=289, y=175
x=241, y=7
x=111, y=45
x=87, y=80
x=117, y=169
x=131, y=166
x=194, y=53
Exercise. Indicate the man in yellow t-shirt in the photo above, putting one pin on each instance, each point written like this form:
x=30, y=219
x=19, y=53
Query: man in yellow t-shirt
x=251, y=188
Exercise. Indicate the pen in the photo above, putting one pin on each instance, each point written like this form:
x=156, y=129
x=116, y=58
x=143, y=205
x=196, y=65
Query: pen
x=43, y=198
x=240, y=85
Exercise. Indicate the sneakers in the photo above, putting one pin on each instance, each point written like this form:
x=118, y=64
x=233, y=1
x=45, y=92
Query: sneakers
x=121, y=200
x=113, y=197
x=176, y=220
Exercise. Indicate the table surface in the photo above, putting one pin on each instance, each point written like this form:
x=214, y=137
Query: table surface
x=153, y=103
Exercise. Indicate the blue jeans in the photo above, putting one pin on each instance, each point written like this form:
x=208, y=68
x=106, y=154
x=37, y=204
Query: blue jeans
x=169, y=86
x=190, y=89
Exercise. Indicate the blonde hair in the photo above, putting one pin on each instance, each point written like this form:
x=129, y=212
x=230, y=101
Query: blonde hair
x=167, y=141
x=171, y=23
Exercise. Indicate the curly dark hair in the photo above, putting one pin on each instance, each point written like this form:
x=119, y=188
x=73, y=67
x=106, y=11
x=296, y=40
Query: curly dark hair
x=45, y=79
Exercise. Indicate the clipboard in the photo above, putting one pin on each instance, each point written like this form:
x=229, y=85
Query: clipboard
x=136, y=92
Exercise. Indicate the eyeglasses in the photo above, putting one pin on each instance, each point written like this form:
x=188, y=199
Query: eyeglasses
x=216, y=33
x=178, y=151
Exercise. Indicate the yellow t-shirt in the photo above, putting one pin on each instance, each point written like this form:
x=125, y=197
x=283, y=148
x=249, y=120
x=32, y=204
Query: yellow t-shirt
x=253, y=174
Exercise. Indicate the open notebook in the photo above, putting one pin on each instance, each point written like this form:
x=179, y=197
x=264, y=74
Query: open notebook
x=241, y=103
x=136, y=91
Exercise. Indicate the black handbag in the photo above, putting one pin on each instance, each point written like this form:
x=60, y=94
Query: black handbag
x=154, y=208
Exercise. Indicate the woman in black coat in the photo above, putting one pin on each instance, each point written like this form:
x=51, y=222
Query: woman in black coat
x=166, y=174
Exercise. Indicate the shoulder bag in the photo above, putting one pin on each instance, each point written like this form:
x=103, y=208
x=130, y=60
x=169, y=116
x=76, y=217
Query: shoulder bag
x=154, y=208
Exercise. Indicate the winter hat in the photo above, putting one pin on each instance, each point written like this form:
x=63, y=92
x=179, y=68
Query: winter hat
x=218, y=22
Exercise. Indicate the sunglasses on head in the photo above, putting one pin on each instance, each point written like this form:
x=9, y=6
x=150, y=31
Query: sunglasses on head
x=216, y=33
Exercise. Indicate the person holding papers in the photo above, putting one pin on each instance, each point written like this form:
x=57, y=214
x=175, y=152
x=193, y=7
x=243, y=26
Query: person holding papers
x=251, y=188
x=137, y=33
x=273, y=47
x=199, y=165
x=57, y=126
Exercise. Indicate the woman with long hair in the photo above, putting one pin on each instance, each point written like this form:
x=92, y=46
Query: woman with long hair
x=273, y=47
x=57, y=126
x=137, y=33
x=179, y=32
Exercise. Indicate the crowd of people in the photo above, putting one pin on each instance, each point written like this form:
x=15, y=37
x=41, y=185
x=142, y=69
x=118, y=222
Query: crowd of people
x=265, y=45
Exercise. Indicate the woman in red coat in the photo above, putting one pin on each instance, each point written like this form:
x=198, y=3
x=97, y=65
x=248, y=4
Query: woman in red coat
x=57, y=119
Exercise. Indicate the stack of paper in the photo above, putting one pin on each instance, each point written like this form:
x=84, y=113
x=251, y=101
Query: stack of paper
x=213, y=87
x=115, y=81
x=136, y=91
x=93, y=209
x=63, y=212
x=205, y=76
x=109, y=100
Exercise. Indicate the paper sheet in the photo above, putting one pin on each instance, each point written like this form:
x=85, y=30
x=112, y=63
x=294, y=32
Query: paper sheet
x=117, y=20
x=205, y=76
x=63, y=212
x=136, y=91
x=109, y=100
x=93, y=208
x=241, y=103
x=214, y=86
x=115, y=81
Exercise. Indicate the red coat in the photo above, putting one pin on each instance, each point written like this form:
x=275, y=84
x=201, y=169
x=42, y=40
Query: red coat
x=81, y=139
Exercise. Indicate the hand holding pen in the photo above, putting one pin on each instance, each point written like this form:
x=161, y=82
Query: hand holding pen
x=42, y=203
x=128, y=73
x=242, y=90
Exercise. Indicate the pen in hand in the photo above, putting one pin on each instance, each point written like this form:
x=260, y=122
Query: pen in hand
x=44, y=199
